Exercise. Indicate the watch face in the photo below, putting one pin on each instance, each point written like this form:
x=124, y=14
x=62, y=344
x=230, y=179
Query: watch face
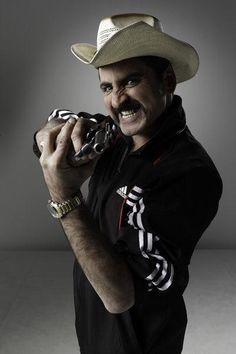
x=54, y=210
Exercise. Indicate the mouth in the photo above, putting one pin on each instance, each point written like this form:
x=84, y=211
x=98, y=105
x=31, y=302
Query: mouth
x=129, y=115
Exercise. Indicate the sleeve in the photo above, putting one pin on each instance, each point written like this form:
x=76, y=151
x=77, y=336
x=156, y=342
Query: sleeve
x=161, y=226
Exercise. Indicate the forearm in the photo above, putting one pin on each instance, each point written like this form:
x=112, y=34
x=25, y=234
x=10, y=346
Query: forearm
x=105, y=269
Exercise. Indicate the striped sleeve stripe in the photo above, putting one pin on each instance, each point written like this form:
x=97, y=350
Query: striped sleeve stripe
x=138, y=189
x=153, y=274
x=130, y=202
x=135, y=217
x=62, y=113
x=145, y=241
x=162, y=267
x=162, y=276
x=159, y=272
x=131, y=220
x=149, y=242
x=168, y=283
x=139, y=214
x=142, y=243
x=134, y=195
x=163, y=272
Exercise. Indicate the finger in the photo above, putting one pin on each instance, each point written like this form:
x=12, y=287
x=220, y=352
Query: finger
x=79, y=133
x=64, y=139
x=47, y=140
x=92, y=155
x=84, y=160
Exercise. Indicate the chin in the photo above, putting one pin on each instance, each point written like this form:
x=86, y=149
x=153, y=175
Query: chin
x=133, y=129
x=128, y=132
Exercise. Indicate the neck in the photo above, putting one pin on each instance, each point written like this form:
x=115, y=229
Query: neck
x=139, y=141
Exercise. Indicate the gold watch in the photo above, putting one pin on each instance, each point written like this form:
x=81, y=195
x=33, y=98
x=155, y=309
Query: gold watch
x=58, y=210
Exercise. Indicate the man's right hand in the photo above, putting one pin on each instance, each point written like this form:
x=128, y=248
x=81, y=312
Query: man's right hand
x=78, y=136
x=44, y=131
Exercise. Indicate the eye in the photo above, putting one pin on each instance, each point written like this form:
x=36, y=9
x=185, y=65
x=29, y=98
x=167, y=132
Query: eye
x=106, y=89
x=132, y=82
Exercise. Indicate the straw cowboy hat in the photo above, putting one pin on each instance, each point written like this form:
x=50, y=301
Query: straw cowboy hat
x=133, y=35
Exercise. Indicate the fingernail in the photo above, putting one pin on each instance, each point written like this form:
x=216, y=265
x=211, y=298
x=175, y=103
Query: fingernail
x=72, y=120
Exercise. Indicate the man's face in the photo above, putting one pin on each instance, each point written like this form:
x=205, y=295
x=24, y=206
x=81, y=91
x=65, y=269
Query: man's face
x=132, y=98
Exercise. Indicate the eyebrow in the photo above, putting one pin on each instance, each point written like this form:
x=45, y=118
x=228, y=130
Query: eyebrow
x=136, y=74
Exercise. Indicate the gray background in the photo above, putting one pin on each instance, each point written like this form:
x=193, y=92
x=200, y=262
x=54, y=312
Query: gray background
x=38, y=73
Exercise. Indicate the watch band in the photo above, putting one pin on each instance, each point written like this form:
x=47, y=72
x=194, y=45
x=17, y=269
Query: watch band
x=58, y=210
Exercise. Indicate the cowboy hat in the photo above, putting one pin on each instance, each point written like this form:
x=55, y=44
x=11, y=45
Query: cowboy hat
x=133, y=35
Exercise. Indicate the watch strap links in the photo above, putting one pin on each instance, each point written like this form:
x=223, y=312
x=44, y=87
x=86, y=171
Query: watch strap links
x=58, y=210
x=70, y=204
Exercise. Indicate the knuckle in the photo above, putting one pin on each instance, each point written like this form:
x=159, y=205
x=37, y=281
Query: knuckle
x=47, y=134
x=43, y=163
x=61, y=145
x=62, y=142
x=49, y=164
x=75, y=137
x=55, y=122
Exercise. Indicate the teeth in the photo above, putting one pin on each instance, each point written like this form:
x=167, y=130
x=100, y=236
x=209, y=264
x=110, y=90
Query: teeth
x=127, y=113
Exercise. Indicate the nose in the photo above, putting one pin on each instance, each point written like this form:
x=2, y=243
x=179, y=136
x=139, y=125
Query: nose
x=118, y=97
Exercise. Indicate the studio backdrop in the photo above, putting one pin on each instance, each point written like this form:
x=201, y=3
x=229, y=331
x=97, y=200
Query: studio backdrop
x=38, y=74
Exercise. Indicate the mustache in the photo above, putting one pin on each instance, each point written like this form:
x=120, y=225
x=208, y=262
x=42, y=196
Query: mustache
x=127, y=106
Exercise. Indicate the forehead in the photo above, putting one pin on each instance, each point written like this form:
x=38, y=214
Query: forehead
x=122, y=69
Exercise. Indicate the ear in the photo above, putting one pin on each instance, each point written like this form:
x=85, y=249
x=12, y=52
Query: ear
x=169, y=80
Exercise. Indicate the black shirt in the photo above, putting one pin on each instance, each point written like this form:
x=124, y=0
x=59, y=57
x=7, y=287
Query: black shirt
x=153, y=205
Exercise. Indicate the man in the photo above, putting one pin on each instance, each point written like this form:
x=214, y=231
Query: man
x=152, y=193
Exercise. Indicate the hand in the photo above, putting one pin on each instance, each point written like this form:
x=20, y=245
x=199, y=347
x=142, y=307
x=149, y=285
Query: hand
x=63, y=179
x=78, y=138
x=44, y=131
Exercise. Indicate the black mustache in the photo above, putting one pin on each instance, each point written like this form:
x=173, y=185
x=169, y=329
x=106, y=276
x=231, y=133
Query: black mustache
x=127, y=106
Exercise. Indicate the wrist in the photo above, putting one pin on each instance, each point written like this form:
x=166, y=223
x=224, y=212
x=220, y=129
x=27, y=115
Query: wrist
x=61, y=196
x=58, y=209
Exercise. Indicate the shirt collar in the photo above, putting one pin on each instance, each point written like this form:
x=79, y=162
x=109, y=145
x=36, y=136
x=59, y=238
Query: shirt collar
x=172, y=123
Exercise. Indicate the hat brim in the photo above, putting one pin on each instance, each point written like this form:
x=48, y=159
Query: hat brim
x=137, y=40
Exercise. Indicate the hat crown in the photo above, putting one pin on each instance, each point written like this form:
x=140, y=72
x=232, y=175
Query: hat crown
x=132, y=35
x=111, y=25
